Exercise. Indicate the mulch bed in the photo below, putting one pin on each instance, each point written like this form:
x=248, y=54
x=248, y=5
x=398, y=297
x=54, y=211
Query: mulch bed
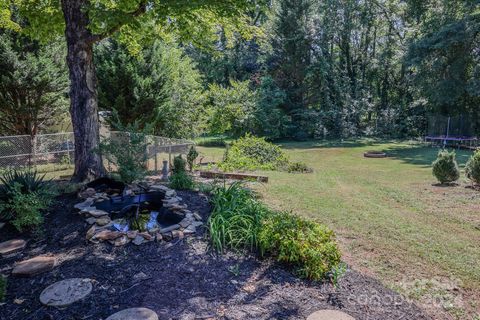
x=181, y=280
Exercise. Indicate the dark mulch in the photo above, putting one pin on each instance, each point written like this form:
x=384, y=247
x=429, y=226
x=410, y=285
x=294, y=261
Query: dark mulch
x=181, y=280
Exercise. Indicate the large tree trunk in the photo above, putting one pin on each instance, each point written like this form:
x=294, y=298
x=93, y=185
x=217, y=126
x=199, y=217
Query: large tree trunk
x=83, y=95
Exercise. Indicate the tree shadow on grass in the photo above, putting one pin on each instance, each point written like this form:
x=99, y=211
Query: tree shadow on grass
x=324, y=144
x=423, y=155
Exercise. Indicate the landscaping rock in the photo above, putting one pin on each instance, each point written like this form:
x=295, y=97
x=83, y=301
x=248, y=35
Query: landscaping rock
x=11, y=246
x=91, y=220
x=34, y=266
x=98, y=213
x=87, y=193
x=132, y=234
x=170, y=228
x=138, y=240
x=197, y=216
x=103, y=221
x=329, y=315
x=107, y=235
x=146, y=236
x=85, y=204
x=134, y=314
x=66, y=292
x=177, y=234
x=121, y=241
x=90, y=233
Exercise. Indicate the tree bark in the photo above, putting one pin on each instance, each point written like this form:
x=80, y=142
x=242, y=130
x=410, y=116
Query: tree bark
x=83, y=95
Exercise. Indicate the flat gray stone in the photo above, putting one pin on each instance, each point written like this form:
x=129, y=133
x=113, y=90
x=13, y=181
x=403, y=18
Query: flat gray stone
x=329, y=315
x=85, y=204
x=34, y=266
x=134, y=314
x=97, y=213
x=66, y=292
x=12, y=246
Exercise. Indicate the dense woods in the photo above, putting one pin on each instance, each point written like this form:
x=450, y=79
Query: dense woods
x=294, y=69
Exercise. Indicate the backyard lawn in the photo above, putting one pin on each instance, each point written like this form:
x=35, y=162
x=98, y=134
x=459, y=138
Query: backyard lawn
x=393, y=221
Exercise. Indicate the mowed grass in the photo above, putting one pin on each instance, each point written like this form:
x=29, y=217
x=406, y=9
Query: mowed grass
x=391, y=218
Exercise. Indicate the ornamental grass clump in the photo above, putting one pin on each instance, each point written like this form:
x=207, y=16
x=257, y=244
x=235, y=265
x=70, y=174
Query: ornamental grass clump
x=445, y=167
x=472, y=168
x=240, y=221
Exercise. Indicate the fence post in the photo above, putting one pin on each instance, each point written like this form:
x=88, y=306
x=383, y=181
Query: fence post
x=156, y=156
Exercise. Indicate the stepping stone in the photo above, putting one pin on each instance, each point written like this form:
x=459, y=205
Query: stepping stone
x=134, y=314
x=66, y=292
x=329, y=315
x=34, y=266
x=12, y=246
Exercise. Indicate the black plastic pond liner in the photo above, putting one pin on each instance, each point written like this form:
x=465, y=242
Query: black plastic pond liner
x=108, y=185
x=128, y=207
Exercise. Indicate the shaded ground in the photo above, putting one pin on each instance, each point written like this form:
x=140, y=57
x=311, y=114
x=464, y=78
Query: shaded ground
x=391, y=218
x=181, y=280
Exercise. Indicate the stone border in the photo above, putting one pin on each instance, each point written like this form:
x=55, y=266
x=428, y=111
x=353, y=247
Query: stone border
x=101, y=222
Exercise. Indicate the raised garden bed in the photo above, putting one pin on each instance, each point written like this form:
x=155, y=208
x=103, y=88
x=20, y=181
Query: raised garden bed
x=233, y=176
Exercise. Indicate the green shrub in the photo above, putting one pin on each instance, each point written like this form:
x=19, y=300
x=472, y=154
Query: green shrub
x=251, y=153
x=216, y=142
x=236, y=218
x=24, y=195
x=23, y=210
x=3, y=288
x=308, y=246
x=181, y=181
x=472, y=168
x=179, y=164
x=27, y=180
x=298, y=167
x=191, y=157
x=445, y=167
x=127, y=150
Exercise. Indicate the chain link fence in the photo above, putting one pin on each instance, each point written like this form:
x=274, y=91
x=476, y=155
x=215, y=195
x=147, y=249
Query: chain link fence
x=55, y=152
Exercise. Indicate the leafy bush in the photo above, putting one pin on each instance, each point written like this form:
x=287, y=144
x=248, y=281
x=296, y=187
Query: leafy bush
x=236, y=218
x=181, y=181
x=179, y=164
x=24, y=195
x=472, y=168
x=191, y=156
x=127, y=150
x=445, y=167
x=298, y=167
x=3, y=288
x=250, y=153
x=308, y=246
x=27, y=180
x=239, y=221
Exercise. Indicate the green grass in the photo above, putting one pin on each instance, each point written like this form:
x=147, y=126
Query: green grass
x=391, y=218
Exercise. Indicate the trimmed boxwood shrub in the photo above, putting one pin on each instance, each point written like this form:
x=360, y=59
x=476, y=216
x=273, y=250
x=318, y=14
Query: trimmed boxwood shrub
x=472, y=168
x=306, y=245
x=445, y=167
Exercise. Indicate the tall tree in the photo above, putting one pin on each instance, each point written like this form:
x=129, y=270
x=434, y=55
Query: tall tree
x=33, y=85
x=86, y=22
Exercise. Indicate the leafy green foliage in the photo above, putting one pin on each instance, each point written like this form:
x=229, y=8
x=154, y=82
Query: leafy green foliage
x=231, y=108
x=33, y=85
x=27, y=181
x=3, y=288
x=308, y=246
x=239, y=221
x=181, y=181
x=179, y=164
x=250, y=153
x=24, y=195
x=160, y=86
x=298, y=167
x=191, y=157
x=127, y=150
x=472, y=168
x=236, y=218
x=445, y=167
